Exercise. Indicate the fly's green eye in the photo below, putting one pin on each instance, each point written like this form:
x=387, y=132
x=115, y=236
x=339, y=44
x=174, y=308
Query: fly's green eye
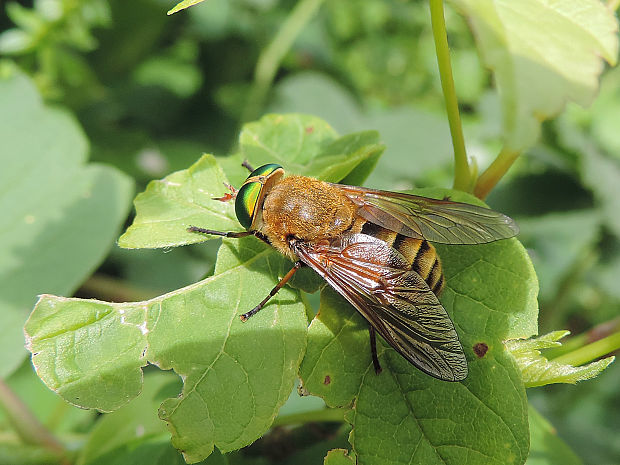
x=249, y=194
x=245, y=204
x=264, y=170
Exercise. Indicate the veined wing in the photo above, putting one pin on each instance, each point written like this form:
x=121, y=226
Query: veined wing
x=376, y=279
x=441, y=221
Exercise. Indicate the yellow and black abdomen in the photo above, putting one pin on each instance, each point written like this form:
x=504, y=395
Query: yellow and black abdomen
x=420, y=254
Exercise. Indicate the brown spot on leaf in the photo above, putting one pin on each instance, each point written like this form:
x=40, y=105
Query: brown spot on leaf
x=327, y=380
x=309, y=129
x=480, y=349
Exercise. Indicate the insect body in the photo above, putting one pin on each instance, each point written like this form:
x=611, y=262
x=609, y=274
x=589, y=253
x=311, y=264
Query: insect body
x=372, y=247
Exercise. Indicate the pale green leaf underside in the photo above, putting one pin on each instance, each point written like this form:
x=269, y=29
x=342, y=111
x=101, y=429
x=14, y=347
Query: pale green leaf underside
x=536, y=370
x=60, y=215
x=403, y=416
x=543, y=53
x=236, y=375
x=183, y=5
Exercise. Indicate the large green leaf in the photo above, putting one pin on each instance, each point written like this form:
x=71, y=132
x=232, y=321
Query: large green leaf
x=236, y=375
x=403, y=416
x=543, y=54
x=301, y=144
x=59, y=215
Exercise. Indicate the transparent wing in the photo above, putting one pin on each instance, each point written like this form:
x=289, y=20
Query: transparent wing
x=441, y=221
x=396, y=301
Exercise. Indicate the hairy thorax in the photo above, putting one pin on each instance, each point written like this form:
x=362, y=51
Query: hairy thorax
x=305, y=208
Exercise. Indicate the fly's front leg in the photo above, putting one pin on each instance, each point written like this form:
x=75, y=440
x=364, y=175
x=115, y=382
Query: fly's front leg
x=235, y=234
x=373, y=349
x=247, y=166
x=273, y=292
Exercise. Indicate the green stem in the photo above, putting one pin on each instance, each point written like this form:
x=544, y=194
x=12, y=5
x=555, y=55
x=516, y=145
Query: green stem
x=591, y=351
x=462, y=174
x=25, y=424
x=104, y=287
x=271, y=57
x=326, y=414
x=495, y=172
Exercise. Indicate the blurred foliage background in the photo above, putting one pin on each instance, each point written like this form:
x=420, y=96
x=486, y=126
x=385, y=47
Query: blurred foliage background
x=153, y=92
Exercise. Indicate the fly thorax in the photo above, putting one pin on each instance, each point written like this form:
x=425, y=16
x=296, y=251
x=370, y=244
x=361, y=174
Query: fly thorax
x=307, y=209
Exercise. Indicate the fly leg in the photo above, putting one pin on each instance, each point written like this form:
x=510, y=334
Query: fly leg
x=235, y=234
x=247, y=166
x=373, y=349
x=273, y=292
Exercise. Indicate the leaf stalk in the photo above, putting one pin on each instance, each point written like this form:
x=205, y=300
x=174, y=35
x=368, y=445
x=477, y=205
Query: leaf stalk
x=592, y=351
x=270, y=58
x=324, y=414
x=496, y=170
x=29, y=429
x=462, y=172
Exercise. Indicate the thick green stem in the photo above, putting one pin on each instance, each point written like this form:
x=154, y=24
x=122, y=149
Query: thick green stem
x=25, y=424
x=495, y=172
x=326, y=414
x=592, y=351
x=271, y=57
x=462, y=174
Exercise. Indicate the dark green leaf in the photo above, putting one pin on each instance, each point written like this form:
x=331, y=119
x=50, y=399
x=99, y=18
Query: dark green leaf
x=405, y=416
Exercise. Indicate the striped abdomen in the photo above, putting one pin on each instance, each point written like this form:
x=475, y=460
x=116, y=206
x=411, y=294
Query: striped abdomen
x=421, y=255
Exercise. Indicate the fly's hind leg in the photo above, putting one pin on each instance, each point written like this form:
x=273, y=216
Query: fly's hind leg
x=373, y=349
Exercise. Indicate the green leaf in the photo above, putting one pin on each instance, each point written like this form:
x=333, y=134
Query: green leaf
x=418, y=140
x=59, y=215
x=536, y=73
x=338, y=457
x=169, y=206
x=536, y=370
x=546, y=448
x=404, y=416
x=132, y=426
x=183, y=5
x=92, y=352
x=307, y=145
x=301, y=144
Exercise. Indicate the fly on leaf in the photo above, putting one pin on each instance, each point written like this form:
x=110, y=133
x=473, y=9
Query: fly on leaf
x=373, y=247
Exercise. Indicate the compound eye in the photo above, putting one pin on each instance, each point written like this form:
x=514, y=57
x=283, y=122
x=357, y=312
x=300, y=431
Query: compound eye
x=265, y=170
x=246, y=202
x=248, y=197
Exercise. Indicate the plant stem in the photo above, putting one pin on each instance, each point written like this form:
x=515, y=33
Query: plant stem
x=104, y=287
x=591, y=351
x=462, y=174
x=495, y=172
x=271, y=57
x=325, y=414
x=26, y=425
